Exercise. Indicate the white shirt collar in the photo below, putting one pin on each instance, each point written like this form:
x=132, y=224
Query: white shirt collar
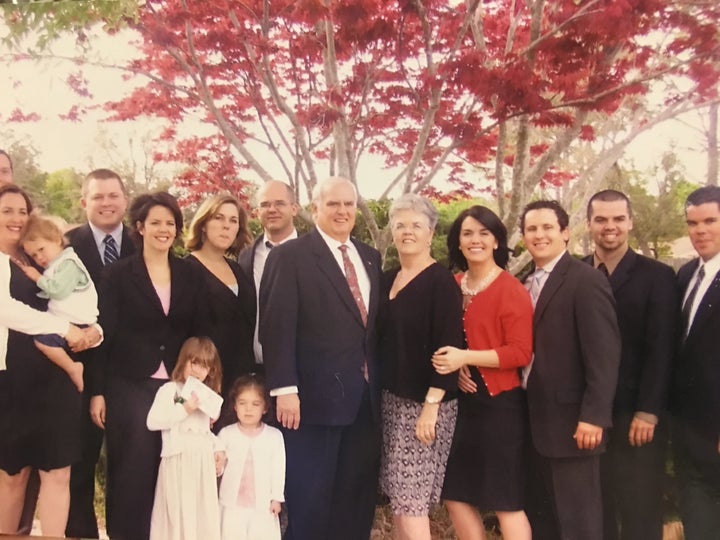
x=712, y=266
x=290, y=236
x=335, y=244
x=100, y=235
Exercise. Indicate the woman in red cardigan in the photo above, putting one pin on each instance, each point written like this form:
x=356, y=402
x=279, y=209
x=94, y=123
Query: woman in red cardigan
x=486, y=469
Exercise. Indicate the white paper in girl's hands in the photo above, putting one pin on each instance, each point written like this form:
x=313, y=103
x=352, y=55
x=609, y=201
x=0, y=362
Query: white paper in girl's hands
x=210, y=402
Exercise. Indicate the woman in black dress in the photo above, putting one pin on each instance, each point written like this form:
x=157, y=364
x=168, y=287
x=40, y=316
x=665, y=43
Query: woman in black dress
x=421, y=311
x=218, y=231
x=39, y=406
x=150, y=303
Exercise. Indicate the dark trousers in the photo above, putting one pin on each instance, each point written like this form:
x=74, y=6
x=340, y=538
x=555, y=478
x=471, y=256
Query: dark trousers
x=564, y=500
x=133, y=457
x=633, y=483
x=82, y=522
x=697, y=468
x=331, y=480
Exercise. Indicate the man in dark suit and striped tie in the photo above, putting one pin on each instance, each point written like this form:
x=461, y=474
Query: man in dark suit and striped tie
x=696, y=392
x=100, y=242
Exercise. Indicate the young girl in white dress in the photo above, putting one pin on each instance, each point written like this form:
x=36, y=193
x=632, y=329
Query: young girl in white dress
x=253, y=483
x=186, y=501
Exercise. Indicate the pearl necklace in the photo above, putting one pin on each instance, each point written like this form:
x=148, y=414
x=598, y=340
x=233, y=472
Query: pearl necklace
x=482, y=284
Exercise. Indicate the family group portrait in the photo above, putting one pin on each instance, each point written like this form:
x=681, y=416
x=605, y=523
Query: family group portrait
x=360, y=269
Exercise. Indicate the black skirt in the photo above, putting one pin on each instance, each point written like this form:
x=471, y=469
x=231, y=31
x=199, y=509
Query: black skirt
x=486, y=467
x=41, y=418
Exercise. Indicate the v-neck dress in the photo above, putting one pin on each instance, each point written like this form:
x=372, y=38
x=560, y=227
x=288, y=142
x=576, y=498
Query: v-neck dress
x=41, y=405
x=424, y=316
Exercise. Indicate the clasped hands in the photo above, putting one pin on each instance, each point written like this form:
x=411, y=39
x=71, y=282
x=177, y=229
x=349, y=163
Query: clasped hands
x=80, y=339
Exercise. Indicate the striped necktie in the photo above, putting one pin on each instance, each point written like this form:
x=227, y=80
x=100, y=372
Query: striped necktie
x=111, y=251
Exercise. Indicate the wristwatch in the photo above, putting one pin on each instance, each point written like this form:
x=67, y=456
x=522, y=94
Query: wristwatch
x=432, y=400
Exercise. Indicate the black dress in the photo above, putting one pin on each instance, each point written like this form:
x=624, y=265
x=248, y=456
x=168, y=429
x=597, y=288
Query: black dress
x=42, y=408
x=232, y=321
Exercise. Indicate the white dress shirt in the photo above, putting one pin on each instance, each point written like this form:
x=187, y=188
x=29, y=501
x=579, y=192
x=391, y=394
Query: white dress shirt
x=259, y=258
x=712, y=267
x=99, y=237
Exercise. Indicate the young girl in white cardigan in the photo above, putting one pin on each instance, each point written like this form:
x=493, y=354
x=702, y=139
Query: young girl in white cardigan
x=186, y=501
x=253, y=483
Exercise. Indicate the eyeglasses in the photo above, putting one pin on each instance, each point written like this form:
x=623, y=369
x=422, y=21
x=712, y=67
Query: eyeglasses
x=266, y=205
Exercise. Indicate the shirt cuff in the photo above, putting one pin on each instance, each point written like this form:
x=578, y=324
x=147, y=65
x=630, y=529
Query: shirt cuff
x=647, y=417
x=283, y=391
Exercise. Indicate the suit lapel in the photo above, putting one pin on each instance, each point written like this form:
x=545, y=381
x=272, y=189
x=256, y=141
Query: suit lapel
x=685, y=275
x=708, y=305
x=327, y=264
x=552, y=284
x=127, y=246
x=87, y=250
x=141, y=279
x=623, y=271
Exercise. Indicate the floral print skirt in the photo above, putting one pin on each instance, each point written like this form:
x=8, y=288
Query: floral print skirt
x=411, y=473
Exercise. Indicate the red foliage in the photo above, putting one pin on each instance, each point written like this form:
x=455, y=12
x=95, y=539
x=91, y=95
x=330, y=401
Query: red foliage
x=403, y=73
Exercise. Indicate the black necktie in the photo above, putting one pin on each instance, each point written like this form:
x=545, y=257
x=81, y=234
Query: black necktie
x=687, y=307
x=111, y=252
x=604, y=270
x=269, y=244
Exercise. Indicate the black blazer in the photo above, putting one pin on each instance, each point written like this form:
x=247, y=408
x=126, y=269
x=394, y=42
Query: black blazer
x=231, y=320
x=647, y=308
x=696, y=392
x=246, y=260
x=311, y=330
x=577, y=353
x=82, y=240
x=138, y=334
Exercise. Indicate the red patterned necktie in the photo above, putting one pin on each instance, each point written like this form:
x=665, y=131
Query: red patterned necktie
x=352, y=280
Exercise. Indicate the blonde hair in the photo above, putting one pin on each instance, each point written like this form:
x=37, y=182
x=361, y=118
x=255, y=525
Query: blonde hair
x=43, y=228
x=195, y=235
x=200, y=349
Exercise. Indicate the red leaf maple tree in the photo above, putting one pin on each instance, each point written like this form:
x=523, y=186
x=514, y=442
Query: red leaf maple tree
x=428, y=87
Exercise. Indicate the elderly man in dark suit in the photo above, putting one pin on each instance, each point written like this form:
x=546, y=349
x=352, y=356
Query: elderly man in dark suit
x=98, y=243
x=276, y=209
x=570, y=381
x=646, y=303
x=319, y=299
x=696, y=392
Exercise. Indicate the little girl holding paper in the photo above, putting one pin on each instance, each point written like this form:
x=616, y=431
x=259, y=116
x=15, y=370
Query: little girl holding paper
x=186, y=501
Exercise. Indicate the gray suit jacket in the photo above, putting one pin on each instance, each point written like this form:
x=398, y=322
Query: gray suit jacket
x=577, y=353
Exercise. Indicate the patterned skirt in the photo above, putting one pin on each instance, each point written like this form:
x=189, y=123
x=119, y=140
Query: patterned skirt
x=411, y=473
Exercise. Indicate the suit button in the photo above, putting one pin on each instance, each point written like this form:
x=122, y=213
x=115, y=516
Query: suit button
x=162, y=347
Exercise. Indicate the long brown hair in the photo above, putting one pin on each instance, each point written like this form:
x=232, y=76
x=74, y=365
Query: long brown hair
x=207, y=210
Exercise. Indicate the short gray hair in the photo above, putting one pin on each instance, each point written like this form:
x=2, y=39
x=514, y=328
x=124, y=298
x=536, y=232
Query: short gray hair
x=321, y=187
x=415, y=203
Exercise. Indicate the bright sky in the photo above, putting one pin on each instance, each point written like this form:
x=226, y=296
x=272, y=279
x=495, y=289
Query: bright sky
x=40, y=87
